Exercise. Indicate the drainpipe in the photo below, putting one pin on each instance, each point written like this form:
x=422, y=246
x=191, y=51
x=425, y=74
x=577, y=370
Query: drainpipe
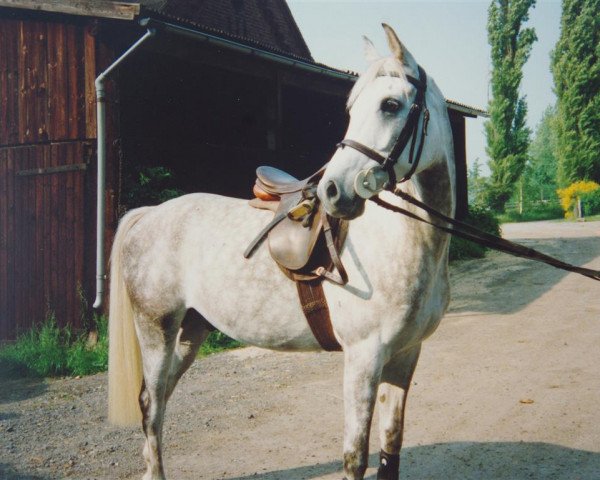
x=101, y=155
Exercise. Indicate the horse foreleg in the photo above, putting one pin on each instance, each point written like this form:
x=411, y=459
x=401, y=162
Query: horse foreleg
x=157, y=339
x=393, y=390
x=361, y=377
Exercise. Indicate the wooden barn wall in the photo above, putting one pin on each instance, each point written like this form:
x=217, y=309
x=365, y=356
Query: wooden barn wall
x=47, y=171
x=43, y=241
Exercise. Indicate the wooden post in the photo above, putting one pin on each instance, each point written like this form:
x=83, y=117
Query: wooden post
x=521, y=196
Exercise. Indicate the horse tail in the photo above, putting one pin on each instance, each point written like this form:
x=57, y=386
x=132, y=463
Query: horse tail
x=124, y=358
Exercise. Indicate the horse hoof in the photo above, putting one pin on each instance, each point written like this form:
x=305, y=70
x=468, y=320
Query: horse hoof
x=389, y=466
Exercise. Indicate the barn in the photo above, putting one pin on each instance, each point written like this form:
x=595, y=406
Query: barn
x=205, y=89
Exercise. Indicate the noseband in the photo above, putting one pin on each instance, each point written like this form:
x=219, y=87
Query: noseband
x=409, y=132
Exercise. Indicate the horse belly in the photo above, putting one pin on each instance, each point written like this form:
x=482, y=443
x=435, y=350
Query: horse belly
x=250, y=300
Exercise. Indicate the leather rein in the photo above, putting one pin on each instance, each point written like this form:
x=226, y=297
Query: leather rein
x=408, y=133
x=468, y=232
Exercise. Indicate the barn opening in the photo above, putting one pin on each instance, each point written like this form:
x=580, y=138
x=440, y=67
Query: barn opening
x=213, y=117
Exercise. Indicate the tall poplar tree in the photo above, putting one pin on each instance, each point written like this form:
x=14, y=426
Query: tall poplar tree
x=576, y=69
x=506, y=131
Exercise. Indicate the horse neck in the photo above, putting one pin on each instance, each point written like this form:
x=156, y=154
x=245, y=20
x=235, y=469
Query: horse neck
x=434, y=187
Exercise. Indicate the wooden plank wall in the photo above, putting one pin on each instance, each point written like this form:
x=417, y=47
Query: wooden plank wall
x=43, y=235
x=45, y=102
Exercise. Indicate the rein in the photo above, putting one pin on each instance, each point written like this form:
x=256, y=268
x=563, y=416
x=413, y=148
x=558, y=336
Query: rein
x=468, y=232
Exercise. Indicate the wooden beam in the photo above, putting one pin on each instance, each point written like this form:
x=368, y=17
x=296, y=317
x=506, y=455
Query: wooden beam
x=77, y=167
x=90, y=8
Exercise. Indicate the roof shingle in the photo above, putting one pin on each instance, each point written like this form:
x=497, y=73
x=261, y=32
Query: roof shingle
x=264, y=23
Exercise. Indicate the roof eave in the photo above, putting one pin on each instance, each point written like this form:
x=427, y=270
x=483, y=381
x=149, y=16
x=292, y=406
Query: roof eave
x=466, y=109
x=242, y=47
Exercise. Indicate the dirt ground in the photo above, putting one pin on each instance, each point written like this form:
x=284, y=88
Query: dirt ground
x=507, y=388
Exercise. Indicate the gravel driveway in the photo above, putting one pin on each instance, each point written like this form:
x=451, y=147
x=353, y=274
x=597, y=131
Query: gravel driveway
x=507, y=388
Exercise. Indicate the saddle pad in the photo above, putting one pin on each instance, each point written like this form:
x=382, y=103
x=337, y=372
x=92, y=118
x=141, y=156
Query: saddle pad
x=291, y=243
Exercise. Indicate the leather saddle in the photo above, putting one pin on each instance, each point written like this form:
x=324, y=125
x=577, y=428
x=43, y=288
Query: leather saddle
x=302, y=238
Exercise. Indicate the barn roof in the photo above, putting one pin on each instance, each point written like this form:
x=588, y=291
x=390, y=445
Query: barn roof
x=268, y=24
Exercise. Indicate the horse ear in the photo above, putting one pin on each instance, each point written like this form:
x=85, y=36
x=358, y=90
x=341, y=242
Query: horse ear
x=394, y=42
x=398, y=49
x=371, y=53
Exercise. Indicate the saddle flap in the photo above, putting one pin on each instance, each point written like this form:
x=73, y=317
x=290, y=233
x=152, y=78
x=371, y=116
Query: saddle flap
x=290, y=242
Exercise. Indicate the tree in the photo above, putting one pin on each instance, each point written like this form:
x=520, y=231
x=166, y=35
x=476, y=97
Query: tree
x=576, y=69
x=541, y=170
x=507, y=134
x=477, y=184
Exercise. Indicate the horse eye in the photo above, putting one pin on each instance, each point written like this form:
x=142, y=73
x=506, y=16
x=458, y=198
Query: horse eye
x=390, y=105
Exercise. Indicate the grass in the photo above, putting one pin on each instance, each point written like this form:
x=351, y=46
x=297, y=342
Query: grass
x=217, y=342
x=49, y=351
x=533, y=215
x=52, y=351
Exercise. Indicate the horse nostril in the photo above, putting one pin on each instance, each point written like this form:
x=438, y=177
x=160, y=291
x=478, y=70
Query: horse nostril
x=332, y=190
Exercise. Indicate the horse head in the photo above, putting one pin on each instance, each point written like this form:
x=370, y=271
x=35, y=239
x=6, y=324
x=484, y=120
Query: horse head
x=388, y=109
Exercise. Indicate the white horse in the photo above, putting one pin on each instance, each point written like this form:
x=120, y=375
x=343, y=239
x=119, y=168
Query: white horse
x=178, y=271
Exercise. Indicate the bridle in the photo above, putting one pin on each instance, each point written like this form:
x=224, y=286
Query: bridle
x=408, y=133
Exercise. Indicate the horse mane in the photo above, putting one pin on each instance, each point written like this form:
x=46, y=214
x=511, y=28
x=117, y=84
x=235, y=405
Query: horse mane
x=385, y=66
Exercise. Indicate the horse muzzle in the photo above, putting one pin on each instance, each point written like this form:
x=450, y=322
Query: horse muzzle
x=339, y=200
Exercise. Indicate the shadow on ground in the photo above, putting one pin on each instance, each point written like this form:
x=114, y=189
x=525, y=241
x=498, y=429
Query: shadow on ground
x=471, y=461
x=8, y=473
x=532, y=279
x=16, y=386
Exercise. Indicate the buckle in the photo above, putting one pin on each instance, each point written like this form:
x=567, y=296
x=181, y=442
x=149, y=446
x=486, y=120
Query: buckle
x=303, y=209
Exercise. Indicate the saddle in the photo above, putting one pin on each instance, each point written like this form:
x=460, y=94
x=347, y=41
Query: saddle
x=303, y=240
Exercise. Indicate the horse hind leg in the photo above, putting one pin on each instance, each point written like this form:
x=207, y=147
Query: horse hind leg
x=157, y=338
x=194, y=330
x=396, y=377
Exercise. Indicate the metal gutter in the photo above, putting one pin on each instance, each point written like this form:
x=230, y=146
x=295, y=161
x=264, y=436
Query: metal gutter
x=101, y=154
x=240, y=47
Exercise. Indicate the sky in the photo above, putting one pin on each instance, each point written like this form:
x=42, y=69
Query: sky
x=448, y=39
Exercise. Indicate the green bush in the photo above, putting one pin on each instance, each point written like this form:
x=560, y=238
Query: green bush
x=149, y=186
x=48, y=350
x=85, y=359
x=591, y=202
x=479, y=217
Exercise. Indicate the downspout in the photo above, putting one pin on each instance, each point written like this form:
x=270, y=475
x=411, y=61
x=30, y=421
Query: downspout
x=101, y=155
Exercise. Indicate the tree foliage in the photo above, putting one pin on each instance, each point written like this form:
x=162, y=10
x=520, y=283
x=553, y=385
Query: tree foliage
x=507, y=134
x=576, y=69
x=477, y=184
x=539, y=176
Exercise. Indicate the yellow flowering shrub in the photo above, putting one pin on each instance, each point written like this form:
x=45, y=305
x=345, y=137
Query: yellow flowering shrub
x=568, y=196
